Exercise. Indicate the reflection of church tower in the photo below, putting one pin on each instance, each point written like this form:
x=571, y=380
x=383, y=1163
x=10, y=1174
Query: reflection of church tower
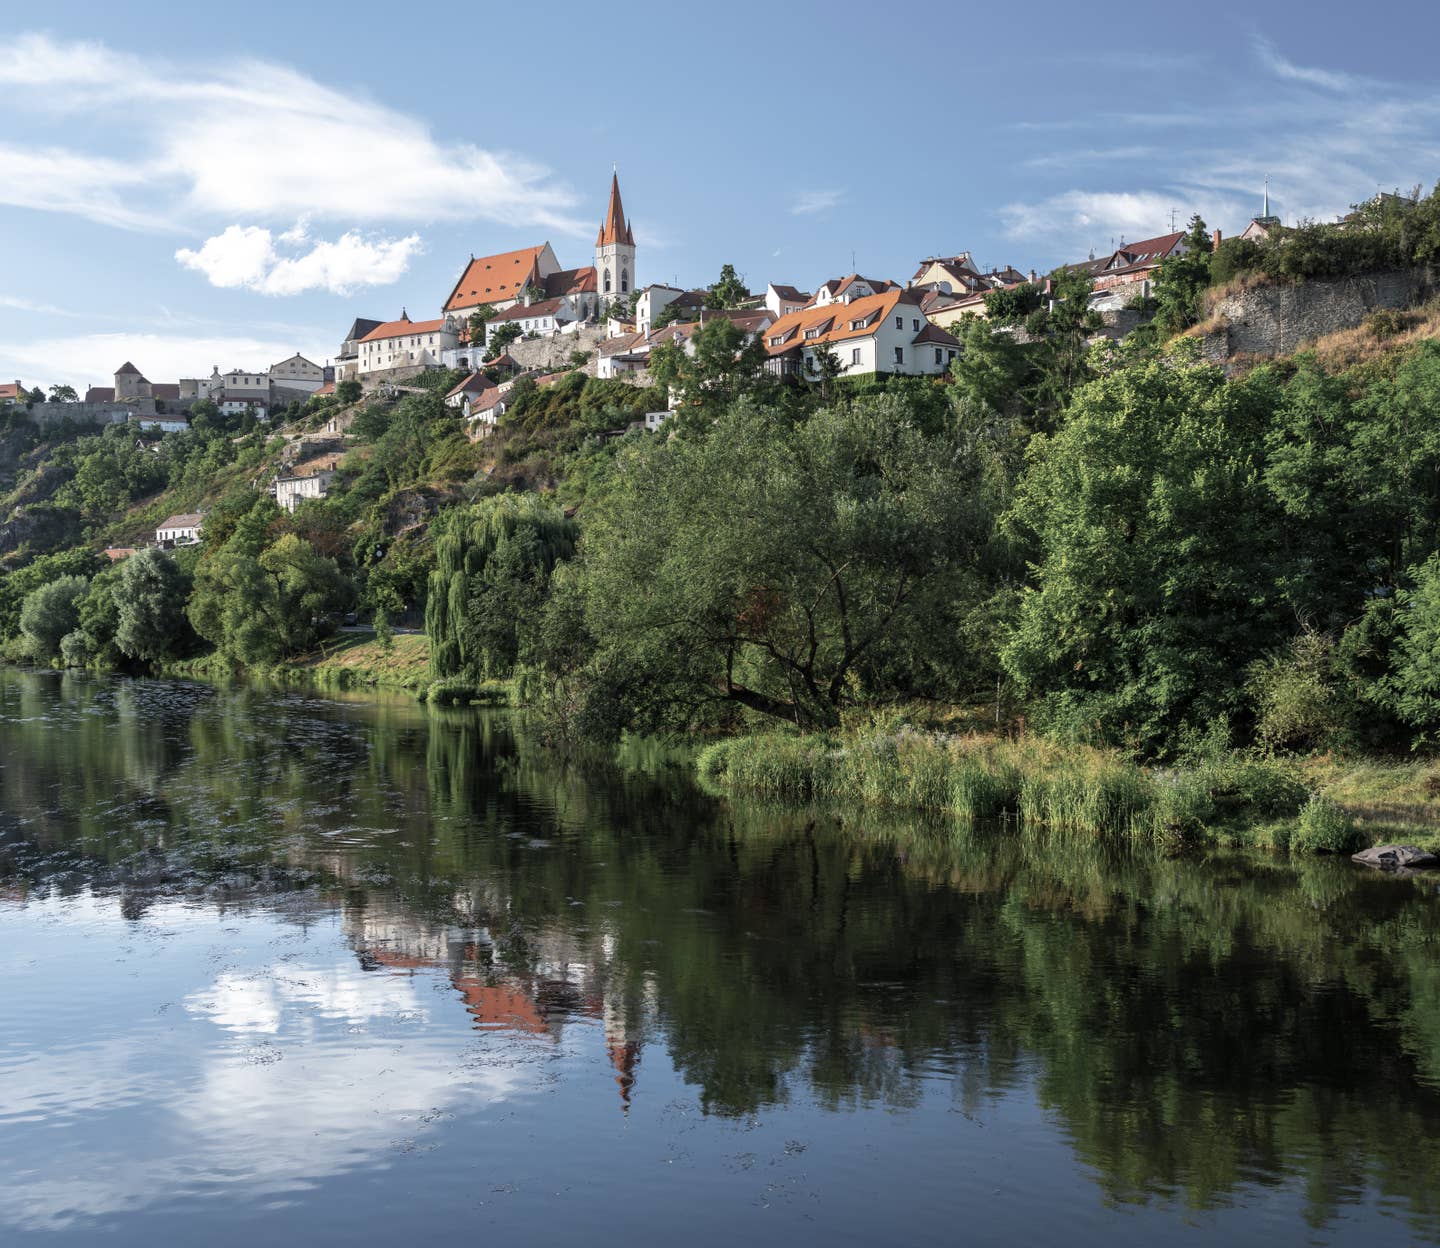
x=615, y=251
x=623, y=1044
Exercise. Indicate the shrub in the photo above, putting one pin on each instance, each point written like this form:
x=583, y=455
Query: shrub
x=1323, y=828
x=453, y=691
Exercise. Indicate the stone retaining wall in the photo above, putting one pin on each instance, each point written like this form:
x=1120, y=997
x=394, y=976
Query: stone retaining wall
x=1276, y=319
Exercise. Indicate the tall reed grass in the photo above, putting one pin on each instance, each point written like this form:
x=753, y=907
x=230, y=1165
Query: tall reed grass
x=1038, y=782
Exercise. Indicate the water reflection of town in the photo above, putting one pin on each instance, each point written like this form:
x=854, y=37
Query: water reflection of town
x=560, y=981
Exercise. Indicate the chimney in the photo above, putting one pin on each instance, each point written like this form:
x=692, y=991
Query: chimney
x=1032, y=277
x=1217, y=238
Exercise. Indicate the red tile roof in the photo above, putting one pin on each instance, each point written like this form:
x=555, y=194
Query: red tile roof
x=615, y=229
x=10, y=390
x=838, y=322
x=100, y=394
x=571, y=282
x=493, y=279
x=403, y=329
x=546, y=307
x=475, y=383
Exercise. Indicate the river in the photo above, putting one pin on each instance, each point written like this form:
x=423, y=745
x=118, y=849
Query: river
x=281, y=969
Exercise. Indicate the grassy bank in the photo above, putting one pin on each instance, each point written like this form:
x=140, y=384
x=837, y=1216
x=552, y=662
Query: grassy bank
x=1237, y=799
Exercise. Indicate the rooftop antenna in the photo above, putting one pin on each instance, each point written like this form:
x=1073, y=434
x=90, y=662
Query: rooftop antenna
x=1266, y=213
x=1172, y=220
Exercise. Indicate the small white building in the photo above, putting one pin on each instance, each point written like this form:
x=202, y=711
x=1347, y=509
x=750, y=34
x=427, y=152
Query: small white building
x=549, y=316
x=181, y=530
x=471, y=387
x=290, y=492
x=406, y=344
x=483, y=412
x=297, y=373
x=650, y=302
x=164, y=424
x=238, y=404
x=783, y=300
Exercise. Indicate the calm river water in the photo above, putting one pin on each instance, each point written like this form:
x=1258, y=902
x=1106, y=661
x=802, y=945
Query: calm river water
x=282, y=970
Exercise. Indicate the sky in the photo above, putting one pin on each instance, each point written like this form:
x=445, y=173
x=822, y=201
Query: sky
x=190, y=185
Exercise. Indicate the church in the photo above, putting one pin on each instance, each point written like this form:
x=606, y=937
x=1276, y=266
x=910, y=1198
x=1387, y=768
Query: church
x=530, y=288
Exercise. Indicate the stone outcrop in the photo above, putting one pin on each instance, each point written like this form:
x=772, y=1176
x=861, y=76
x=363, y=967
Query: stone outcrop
x=552, y=353
x=1277, y=319
x=1397, y=858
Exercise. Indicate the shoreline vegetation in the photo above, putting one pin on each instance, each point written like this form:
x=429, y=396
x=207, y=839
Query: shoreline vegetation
x=1295, y=805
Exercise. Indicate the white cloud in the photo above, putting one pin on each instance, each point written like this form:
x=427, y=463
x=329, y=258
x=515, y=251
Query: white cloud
x=807, y=202
x=1325, y=139
x=91, y=359
x=248, y=139
x=1097, y=217
x=20, y=304
x=249, y=257
x=1286, y=69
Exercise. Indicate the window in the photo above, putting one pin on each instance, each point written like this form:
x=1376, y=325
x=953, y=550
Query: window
x=899, y=355
x=854, y=355
x=916, y=324
x=899, y=323
x=939, y=356
x=950, y=355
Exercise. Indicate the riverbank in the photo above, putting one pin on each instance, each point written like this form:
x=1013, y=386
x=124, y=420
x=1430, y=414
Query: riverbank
x=1300, y=806
x=346, y=661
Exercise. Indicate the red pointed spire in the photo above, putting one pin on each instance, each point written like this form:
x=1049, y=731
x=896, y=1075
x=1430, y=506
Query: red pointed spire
x=613, y=229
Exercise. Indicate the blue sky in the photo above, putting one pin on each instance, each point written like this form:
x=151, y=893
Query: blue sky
x=189, y=185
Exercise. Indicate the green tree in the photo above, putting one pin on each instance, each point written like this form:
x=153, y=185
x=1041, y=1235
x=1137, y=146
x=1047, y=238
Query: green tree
x=783, y=567
x=260, y=610
x=1182, y=279
x=49, y=613
x=348, y=391
x=990, y=368
x=493, y=567
x=63, y=394
x=727, y=291
x=150, y=601
x=1153, y=542
x=501, y=339
x=719, y=368
x=1013, y=304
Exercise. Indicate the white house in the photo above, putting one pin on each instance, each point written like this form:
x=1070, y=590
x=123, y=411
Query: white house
x=165, y=424
x=297, y=373
x=549, y=316
x=471, y=387
x=406, y=344
x=181, y=530
x=290, y=492
x=783, y=300
x=848, y=289
x=482, y=412
x=239, y=381
x=238, y=404
x=650, y=302
x=885, y=332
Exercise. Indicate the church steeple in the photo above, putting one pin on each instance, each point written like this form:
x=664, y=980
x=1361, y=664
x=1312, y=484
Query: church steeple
x=615, y=249
x=614, y=229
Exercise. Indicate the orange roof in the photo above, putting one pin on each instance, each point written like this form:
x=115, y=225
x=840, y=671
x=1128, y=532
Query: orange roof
x=837, y=322
x=327, y=388
x=402, y=329
x=499, y=1007
x=494, y=279
x=615, y=229
x=10, y=390
x=571, y=282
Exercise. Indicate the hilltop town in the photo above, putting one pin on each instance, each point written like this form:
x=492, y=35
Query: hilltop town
x=520, y=312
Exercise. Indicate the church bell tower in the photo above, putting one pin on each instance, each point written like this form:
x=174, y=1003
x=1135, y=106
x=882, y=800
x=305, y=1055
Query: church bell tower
x=615, y=251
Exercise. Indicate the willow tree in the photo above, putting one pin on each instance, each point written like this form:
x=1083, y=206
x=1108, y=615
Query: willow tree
x=492, y=575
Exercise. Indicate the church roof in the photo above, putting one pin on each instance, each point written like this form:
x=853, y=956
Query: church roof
x=615, y=229
x=494, y=279
x=571, y=282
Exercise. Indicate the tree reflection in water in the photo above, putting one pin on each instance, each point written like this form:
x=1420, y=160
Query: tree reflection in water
x=1192, y=1027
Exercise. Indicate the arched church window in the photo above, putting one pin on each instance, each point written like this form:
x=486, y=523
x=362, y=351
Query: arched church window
x=624, y=281
x=607, y=281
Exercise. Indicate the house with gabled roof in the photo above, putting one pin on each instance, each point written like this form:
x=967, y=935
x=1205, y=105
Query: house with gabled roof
x=1132, y=266
x=885, y=332
x=405, y=344
x=846, y=289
